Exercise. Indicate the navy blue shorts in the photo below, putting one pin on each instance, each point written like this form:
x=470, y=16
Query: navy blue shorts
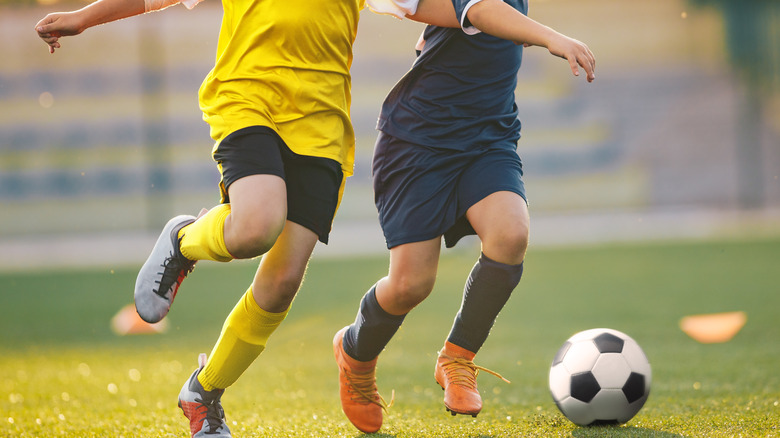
x=313, y=183
x=422, y=193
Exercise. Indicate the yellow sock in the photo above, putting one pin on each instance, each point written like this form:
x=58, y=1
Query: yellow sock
x=243, y=338
x=205, y=238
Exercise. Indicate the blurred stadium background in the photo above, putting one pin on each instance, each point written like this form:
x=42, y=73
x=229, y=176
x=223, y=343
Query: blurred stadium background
x=679, y=136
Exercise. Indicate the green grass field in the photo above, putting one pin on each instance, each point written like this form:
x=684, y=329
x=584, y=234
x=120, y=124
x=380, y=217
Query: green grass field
x=63, y=373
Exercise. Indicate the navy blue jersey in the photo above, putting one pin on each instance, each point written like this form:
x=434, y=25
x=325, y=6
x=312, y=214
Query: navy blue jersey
x=460, y=91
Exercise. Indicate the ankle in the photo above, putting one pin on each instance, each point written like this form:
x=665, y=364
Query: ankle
x=456, y=351
x=360, y=366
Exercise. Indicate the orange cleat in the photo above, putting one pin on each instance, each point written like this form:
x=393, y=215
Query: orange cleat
x=456, y=373
x=360, y=399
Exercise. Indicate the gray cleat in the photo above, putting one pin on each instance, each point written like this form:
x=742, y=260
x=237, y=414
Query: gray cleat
x=203, y=408
x=164, y=270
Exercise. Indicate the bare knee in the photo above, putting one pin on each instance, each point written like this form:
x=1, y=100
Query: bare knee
x=248, y=239
x=507, y=245
x=253, y=244
x=405, y=292
x=275, y=291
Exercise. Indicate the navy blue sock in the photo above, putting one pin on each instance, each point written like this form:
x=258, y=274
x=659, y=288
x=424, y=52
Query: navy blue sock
x=372, y=330
x=487, y=290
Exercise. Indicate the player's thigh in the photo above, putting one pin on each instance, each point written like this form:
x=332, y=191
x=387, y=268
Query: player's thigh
x=252, y=169
x=500, y=213
x=258, y=204
x=493, y=189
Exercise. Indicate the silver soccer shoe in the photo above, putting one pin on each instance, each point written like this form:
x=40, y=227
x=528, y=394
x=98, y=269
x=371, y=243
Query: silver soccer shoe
x=162, y=274
x=203, y=408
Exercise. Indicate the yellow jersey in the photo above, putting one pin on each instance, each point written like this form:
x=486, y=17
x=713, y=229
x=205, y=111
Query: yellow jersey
x=285, y=64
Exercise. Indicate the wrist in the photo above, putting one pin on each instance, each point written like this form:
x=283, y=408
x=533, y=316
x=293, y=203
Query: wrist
x=547, y=37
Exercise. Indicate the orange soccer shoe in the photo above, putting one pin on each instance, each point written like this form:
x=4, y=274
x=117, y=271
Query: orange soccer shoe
x=360, y=399
x=456, y=373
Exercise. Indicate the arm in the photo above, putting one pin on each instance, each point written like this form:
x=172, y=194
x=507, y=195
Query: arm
x=503, y=21
x=59, y=24
x=436, y=12
x=497, y=18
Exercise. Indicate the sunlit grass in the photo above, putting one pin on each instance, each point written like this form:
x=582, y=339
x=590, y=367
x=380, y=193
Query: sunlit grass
x=63, y=373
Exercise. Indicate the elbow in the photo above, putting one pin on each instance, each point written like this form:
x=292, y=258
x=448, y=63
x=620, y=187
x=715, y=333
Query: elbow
x=479, y=13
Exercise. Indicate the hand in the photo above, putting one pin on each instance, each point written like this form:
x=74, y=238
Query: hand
x=576, y=52
x=57, y=25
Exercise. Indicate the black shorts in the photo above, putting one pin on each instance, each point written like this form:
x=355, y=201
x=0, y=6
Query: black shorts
x=422, y=193
x=314, y=184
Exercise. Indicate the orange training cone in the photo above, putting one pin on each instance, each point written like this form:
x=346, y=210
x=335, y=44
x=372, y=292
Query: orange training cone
x=713, y=328
x=127, y=322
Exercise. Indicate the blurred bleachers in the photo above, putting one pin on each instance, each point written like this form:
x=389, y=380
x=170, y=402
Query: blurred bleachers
x=105, y=137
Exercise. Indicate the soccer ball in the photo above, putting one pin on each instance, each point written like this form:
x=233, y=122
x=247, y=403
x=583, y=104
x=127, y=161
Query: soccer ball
x=600, y=376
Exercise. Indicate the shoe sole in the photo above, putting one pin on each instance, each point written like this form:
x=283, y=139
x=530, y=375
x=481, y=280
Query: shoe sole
x=452, y=411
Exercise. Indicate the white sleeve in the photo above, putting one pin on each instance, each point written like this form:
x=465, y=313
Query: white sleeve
x=157, y=5
x=190, y=3
x=398, y=8
x=470, y=30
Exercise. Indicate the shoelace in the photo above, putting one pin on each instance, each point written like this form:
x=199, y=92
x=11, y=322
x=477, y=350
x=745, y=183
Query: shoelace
x=175, y=270
x=214, y=414
x=464, y=372
x=364, y=386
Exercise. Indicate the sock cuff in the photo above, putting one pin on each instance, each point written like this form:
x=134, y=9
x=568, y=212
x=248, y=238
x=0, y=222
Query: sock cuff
x=221, y=211
x=488, y=261
x=206, y=238
x=257, y=314
x=205, y=382
x=370, y=304
x=509, y=273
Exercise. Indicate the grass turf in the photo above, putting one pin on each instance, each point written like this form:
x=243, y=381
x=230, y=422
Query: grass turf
x=63, y=373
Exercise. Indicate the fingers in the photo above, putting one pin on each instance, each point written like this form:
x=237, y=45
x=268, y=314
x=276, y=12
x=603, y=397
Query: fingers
x=574, y=65
x=589, y=65
x=585, y=59
x=577, y=54
x=43, y=30
x=49, y=38
x=45, y=26
x=52, y=41
x=41, y=25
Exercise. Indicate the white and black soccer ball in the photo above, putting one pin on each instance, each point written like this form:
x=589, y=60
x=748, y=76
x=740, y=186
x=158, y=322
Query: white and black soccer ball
x=600, y=376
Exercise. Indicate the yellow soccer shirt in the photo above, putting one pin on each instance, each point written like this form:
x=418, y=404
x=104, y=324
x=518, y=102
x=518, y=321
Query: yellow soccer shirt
x=285, y=64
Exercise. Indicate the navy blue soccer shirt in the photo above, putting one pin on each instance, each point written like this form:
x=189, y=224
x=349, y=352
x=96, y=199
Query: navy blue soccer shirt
x=460, y=91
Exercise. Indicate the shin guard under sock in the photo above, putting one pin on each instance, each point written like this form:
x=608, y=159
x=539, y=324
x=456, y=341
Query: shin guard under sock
x=487, y=290
x=244, y=336
x=372, y=330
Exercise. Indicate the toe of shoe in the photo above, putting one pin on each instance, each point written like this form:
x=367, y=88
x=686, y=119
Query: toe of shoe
x=463, y=402
x=149, y=312
x=368, y=422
